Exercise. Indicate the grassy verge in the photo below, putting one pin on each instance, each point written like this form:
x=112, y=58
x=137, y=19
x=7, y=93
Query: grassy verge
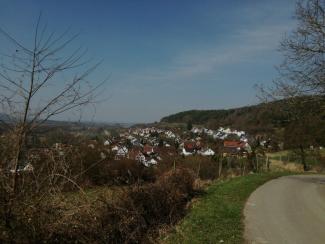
x=217, y=217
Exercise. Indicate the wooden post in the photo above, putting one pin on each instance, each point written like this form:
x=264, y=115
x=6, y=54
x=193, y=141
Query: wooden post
x=220, y=167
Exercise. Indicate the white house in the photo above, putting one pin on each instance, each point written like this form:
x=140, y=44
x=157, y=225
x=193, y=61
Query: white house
x=208, y=152
x=115, y=148
x=149, y=162
x=140, y=158
x=122, y=152
x=185, y=153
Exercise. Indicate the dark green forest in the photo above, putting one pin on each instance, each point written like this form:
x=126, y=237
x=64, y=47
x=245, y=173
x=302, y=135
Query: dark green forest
x=264, y=117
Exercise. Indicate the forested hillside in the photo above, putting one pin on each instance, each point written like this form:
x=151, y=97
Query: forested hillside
x=261, y=117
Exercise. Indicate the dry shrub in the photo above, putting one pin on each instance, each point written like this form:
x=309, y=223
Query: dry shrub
x=118, y=172
x=320, y=167
x=127, y=171
x=132, y=217
x=322, y=161
x=57, y=220
x=205, y=168
x=143, y=209
x=97, y=171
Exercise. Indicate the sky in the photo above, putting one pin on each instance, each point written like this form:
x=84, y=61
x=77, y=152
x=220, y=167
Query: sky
x=165, y=56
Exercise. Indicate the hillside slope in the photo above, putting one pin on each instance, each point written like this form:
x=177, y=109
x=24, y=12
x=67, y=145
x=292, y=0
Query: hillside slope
x=247, y=118
x=257, y=118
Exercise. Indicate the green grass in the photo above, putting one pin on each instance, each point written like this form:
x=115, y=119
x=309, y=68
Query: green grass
x=218, y=216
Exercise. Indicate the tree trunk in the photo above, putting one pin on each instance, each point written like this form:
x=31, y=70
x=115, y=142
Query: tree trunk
x=13, y=178
x=245, y=163
x=303, y=157
x=220, y=167
x=18, y=155
x=229, y=162
x=199, y=169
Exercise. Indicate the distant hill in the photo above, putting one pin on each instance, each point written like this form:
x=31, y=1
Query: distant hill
x=77, y=124
x=257, y=118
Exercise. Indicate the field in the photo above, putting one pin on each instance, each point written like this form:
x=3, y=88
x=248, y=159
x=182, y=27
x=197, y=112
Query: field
x=289, y=160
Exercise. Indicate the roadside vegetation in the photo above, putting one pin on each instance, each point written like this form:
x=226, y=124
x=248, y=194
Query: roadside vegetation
x=122, y=215
x=315, y=159
x=218, y=216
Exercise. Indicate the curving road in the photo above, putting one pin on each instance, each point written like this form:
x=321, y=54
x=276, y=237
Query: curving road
x=287, y=210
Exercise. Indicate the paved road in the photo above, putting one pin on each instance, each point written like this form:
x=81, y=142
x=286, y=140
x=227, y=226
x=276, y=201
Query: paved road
x=287, y=210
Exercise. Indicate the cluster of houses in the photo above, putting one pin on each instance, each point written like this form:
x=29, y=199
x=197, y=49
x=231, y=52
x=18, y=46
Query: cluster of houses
x=144, y=145
x=234, y=142
x=150, y=145
x=221, y=133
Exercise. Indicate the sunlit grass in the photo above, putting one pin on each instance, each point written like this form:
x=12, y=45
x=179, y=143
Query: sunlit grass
x=218, y=216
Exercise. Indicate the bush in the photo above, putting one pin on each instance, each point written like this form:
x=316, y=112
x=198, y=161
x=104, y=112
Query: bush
x=205, y=168
x=135, y=215
x=120, y=172
x=143, y=209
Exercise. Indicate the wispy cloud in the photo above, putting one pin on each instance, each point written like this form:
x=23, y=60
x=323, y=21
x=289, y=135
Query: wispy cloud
x=243, y=45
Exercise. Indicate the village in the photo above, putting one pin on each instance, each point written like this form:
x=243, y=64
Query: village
x=162, y=121
x=151, y=145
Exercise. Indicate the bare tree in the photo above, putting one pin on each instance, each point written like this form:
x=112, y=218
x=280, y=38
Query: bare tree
x=302, y=73
x=301, y=82
x=303, y=69
x=36, y=83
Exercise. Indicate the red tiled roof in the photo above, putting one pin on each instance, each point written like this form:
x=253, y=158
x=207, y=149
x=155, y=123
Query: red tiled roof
x=147, y=149
x=234, y=144
x=189, y=145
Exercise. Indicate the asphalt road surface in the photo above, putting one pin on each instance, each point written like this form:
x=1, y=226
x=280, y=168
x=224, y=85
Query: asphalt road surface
x=287, y=210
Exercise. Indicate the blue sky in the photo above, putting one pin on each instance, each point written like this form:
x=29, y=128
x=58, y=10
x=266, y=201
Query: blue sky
x=166, y=56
